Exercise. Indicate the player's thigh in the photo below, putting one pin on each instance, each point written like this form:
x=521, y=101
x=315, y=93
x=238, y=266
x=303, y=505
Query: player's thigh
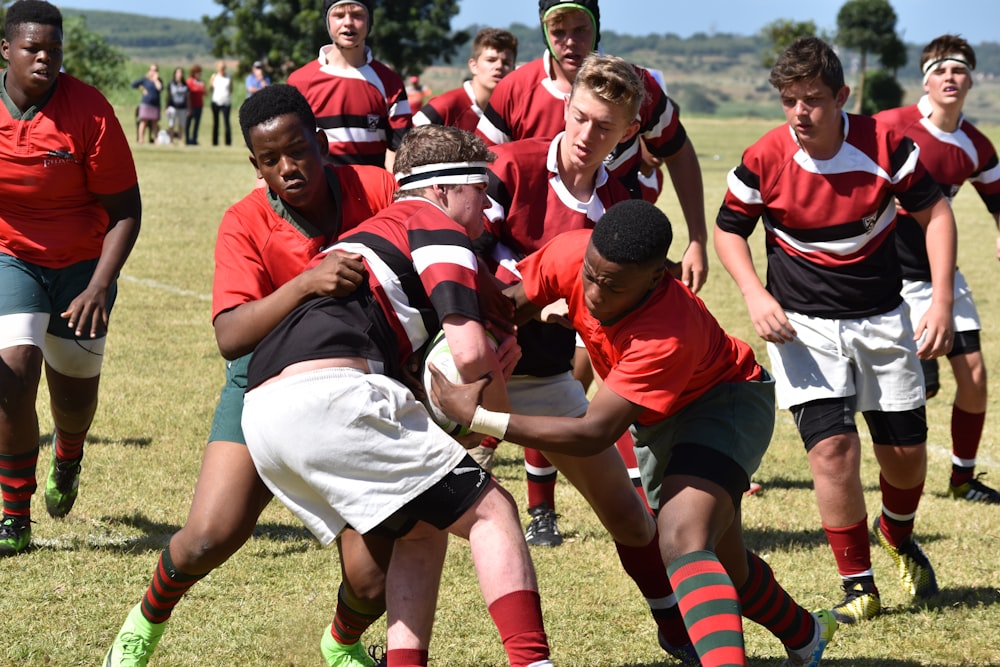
x=604, y=482
x=812, y=366
x=229, y=495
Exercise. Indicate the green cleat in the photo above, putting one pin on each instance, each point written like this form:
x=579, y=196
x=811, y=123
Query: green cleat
x=975, y=491
x=343, y=655
x=62, y=486
x=861, y=602
x=135, y=642
x=15, y=535
x=915, y=571
x=826, y=626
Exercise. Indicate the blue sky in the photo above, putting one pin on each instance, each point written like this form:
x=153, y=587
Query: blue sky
x=919, y=20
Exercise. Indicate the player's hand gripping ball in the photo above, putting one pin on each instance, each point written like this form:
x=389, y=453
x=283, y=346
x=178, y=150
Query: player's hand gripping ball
x=439, y=354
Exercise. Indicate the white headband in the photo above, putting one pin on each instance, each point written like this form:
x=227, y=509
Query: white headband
x=442, y=173
x=953, y=58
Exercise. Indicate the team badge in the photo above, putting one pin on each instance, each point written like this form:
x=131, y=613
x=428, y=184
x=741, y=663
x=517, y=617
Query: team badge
x=869, y=221
x=373, y=119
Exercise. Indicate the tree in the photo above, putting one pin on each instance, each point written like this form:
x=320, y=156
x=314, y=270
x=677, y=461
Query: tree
x=779, y=34
x=87, y=55
x=882, y=91
x=407, y=36
x=866, y=25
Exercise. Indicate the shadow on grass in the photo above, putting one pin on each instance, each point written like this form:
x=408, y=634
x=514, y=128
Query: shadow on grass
x=45, y=439
x=109, y=534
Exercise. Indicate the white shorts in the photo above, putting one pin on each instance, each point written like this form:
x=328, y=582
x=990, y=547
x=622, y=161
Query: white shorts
x=917, y=295
x=559, y=395
x=340, y=447
x=871, y=358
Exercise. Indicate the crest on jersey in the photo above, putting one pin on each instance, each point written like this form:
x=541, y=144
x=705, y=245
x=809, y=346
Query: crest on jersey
x=869, y=221
x=373, y=119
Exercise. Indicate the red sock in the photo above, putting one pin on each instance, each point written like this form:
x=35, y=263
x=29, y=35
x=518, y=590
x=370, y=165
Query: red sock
x=899, y=509
x=626, y=447
x=405, y=657
x=851, y=548
x=541, y=479
x=711, y=608
x=518, y=617
x=645, y=566
x=167, y=588
x=966, y=432
x=18, y=483
x=765, y=602
x=348, y=623
x=69, y=446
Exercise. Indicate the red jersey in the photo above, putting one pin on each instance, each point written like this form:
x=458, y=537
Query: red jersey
x=196, y=92
x=663, y=355
x=363, y=110
x=829, y=223
x=527, y=104
x=951, y=158
x=262, y=244
x=56, y=157
x=455, y=108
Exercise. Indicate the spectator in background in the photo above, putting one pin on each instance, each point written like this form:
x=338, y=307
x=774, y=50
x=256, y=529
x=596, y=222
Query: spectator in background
x=416, y=93
x=494, y=53
x=178, y=101
x=256, y=79
x=222, y=102
x=149, y=104
x=196, y=97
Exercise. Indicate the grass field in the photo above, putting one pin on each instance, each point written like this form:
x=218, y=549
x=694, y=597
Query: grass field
x=62, y=603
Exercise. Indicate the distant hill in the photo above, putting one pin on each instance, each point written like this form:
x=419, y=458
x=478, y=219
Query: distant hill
x=718, y=74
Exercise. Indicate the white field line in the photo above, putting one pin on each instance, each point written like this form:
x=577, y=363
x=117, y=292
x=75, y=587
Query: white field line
x=163, y=287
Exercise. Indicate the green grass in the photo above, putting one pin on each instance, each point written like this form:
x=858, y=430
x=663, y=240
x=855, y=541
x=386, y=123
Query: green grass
x=62, y=603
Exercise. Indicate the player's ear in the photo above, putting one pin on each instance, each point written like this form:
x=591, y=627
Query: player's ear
x=253, y=161
x=631, y=131
x=324, y=142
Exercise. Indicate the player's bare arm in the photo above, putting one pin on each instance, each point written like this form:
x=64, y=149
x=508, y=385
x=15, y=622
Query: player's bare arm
x=936, y=327
x=238, y=330
x=767, y=315
x=90, y=307
x=685, y=175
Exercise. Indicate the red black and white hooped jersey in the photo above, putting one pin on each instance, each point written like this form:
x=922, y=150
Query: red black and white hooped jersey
x=951, y=158
x=455, y=108
x=363, y=110
x=527, y=105
x=420, y=269
x=829, y=223
x=531, y=206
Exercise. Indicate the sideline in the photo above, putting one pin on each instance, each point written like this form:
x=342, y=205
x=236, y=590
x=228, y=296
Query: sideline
x=163, y=287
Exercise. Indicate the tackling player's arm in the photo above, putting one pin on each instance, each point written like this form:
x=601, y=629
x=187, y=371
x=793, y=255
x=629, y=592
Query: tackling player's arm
x=685, y=175
x=937, y=323
x=239, y=329
x=608, y=417
x=475, y=359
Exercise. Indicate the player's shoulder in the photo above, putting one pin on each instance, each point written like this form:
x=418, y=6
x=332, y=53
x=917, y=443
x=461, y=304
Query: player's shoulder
x=386, y=73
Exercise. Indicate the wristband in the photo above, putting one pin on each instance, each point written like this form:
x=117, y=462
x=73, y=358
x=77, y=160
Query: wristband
x=490, y=423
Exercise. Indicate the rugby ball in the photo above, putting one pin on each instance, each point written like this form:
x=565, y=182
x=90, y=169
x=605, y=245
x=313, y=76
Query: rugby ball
x=439, y=354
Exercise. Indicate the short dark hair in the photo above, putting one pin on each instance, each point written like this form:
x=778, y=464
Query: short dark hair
x=805, y=59
x=273, y=101
x=494, y=38
x=633, y=232
x=31, y=11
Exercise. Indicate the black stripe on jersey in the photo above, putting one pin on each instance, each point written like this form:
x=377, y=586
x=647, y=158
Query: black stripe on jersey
x=432, y=114
x=833, y=232
x=498, y=192
x=922, y=195
x=901, y=155
x=498, y=122
x=348, y=120
x=734, y=222
x=747, y=177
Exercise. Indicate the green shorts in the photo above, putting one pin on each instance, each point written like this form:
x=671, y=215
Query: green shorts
x=721, y=437
x=226, y=424
x=30, y=288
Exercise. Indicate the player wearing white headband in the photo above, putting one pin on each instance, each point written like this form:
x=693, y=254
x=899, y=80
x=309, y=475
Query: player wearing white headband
x=953, y=151
x=342, y=441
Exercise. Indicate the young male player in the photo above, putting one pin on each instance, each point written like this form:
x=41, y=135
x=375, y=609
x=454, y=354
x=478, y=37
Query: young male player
x=359, y=102
x=339, y=438
x=494, y=53
x=953, y=151
x=704, y=411
x=540, y=188
x=837, y=334
x=265, y=242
